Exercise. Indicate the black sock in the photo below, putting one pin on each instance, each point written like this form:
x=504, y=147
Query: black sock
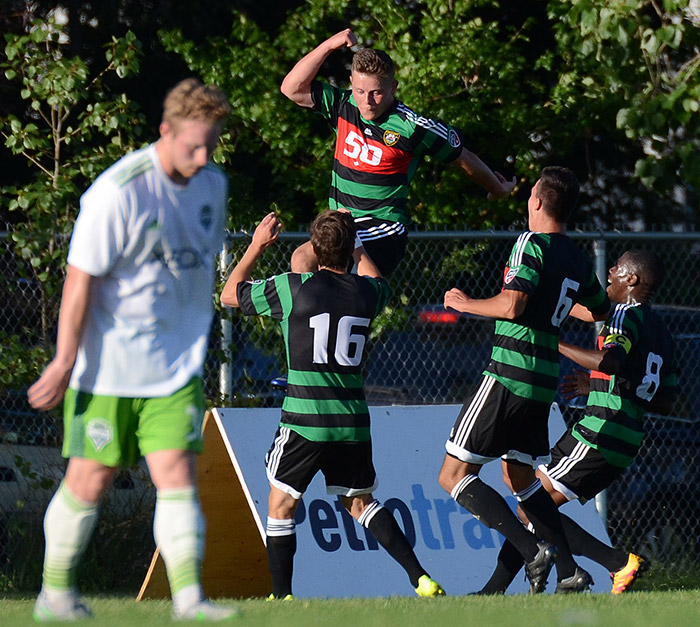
x=544, y=516
x=507, y=567
x=280, y=558
x=583, y=543
x=386, y=530
x=490, y=508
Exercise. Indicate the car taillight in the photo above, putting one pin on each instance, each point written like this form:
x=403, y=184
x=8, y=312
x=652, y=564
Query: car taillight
x=439, y=317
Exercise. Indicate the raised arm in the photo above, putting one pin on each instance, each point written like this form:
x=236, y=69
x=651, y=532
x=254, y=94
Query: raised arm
x=297, y=84
x=266, y=233
x=582, y=313
x=364, y=263
x=493, y=182
x=507, y=305
x=49, y=389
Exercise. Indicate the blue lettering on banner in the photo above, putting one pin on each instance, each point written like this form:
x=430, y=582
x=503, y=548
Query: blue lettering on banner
x=397, y=506
x=325, y=526
x=422, y=506
x=321, y=518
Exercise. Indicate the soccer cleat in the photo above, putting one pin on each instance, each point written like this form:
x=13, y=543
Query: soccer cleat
x=286, y=597
x=538, y=569
x=580, y=581
x=429, y=588
x=624, y=578
x=206, y=611
x=67, y=608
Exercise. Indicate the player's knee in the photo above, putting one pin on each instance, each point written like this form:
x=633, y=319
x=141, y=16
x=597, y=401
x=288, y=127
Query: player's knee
x=447, y=479
x=356, y=505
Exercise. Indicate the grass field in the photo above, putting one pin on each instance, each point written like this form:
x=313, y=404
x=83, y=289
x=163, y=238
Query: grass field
x=667, y=609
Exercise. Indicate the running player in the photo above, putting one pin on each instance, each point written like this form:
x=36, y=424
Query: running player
x=379, y=144
x=506, y=416
x=132, y=337
x=632, y=372
x=325, y=318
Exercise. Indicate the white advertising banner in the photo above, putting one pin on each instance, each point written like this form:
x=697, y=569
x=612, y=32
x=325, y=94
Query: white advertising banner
x=336, y=557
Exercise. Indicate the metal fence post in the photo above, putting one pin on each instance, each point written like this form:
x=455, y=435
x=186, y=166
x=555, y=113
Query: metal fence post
x=225, y=375
x=601, y=499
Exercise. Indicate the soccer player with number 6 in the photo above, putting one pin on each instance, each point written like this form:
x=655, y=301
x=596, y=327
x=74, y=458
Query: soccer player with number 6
x=506, y=416
x=325, y=318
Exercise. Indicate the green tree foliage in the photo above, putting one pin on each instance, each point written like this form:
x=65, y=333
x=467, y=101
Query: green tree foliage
x=627, y=75
x=72, y=129
x=608, y=88
x=440, y=75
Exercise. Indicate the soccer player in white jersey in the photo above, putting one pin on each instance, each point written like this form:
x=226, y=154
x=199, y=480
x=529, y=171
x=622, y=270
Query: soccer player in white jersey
x=132, y=336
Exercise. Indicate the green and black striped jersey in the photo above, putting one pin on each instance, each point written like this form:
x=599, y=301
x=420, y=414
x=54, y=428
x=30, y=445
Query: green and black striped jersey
x=325, y=319
x=613, y=421
x=374, y=162
x=555, y=274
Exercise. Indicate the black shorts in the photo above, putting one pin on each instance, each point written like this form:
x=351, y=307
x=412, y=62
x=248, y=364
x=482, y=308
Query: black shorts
x=495, y=423
x=293, y=461
x=579, y=471
x=384, y=241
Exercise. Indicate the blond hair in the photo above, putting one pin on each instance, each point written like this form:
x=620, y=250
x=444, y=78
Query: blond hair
x=192, y=100
x=373, y=62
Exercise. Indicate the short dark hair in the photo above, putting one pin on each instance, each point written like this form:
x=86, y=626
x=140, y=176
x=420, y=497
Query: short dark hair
x=333, y=239
x=374, y=62
x=647, y=266
x=558, y=190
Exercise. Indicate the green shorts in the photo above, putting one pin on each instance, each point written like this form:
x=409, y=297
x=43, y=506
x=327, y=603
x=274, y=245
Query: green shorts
x=117, y=431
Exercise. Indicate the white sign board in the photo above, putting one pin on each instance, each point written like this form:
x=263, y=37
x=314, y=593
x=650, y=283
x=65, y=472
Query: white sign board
x=336, y=557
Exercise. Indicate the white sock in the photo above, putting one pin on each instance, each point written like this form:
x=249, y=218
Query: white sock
x=68, y=526
x=179, y=531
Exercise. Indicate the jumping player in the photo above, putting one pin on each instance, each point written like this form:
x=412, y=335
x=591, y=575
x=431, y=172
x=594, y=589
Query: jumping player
x=379, y=144
x=325, y=318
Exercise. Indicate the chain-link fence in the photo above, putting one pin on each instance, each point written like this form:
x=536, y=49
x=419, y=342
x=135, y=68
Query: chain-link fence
x=419, y=354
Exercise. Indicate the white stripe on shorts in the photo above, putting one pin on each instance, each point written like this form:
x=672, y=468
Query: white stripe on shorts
x=273, y=459
x=566, y=463
x=470, y=416
x=380, y=231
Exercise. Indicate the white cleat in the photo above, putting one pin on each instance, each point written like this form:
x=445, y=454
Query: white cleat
x=206, y=611
x=63, y=608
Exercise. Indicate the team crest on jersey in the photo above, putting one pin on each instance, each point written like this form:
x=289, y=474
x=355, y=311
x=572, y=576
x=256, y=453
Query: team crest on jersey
x=99, y=432
x=453, y=138
x=205, y=216
x=510, y=274
x=391, y=137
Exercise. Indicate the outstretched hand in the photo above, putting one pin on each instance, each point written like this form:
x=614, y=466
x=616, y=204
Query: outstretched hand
x=267, y=232
x=576, y=384
x=505, y=187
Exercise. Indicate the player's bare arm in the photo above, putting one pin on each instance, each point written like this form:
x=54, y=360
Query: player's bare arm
x=494, y=183
x=266, y=234
x=507, y=305
x=582, y=313
x=601, y=360
x=364, y=263
x=297, y=84
x=48, y=391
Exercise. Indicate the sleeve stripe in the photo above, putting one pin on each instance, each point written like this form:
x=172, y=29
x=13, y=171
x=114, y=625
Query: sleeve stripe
x=439, y=128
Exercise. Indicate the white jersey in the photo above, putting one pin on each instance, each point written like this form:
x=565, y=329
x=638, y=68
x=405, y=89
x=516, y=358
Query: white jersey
x=151, y=244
